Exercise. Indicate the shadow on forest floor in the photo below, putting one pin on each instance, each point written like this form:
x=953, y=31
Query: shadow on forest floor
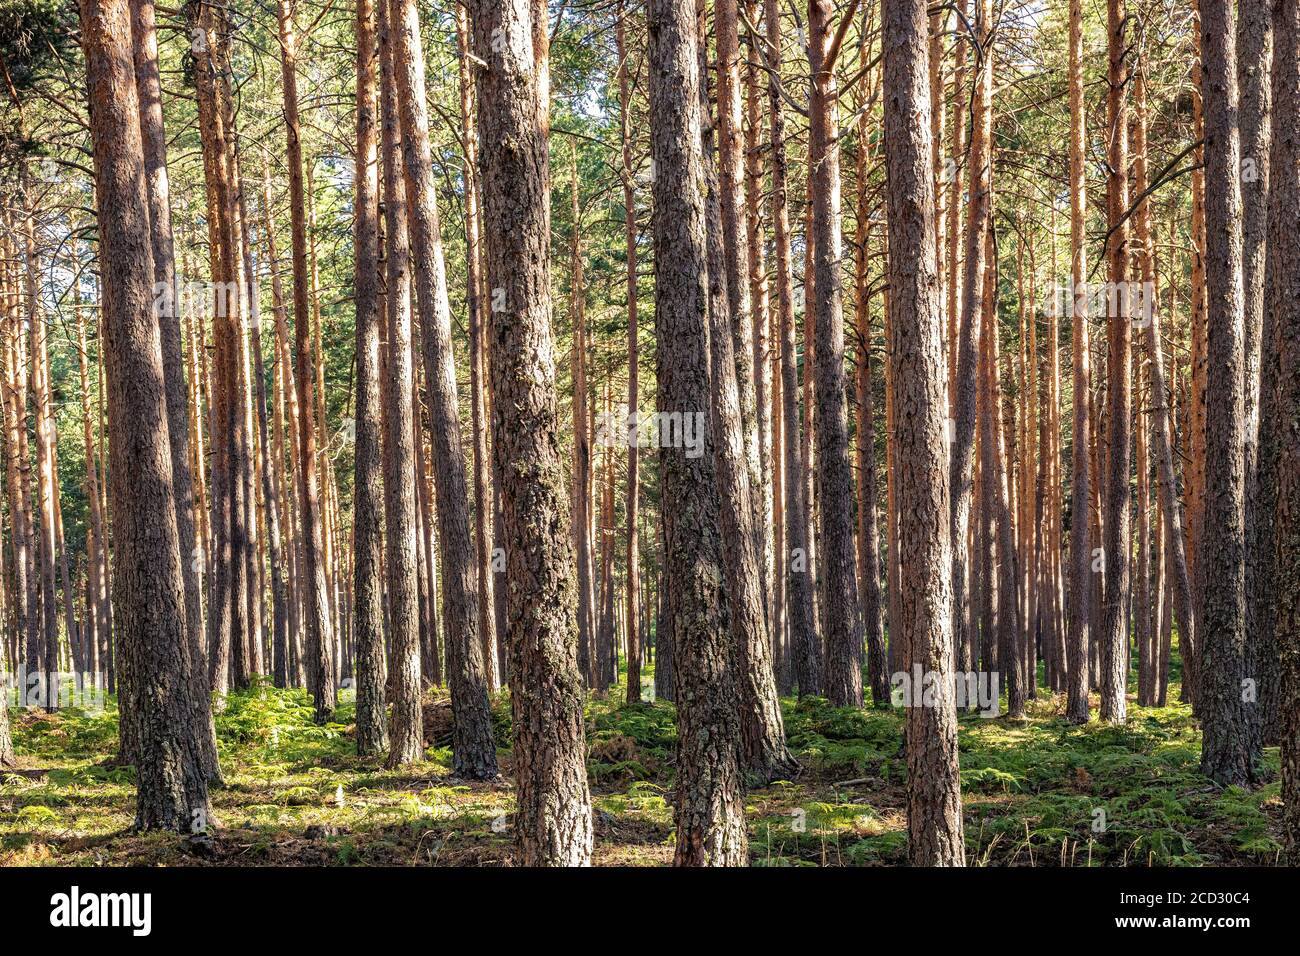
x=1036, y=792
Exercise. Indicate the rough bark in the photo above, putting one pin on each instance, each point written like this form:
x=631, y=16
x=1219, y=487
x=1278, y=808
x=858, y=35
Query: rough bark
x=735, y=241
x=840, y=619
x=966, y=370
x=763, y=750
x=868, y=526
x=148, y=582
x=1117, y=552
x=805, y=647
x=367, y=515
x=634, y=646
x=916, y=329
x=1255, y=53
x=477, y=369
x=553, y=815
x=1080, y=576
x=1220, y=560
x=1284, y=304
x=709, y=812
x=318, y=621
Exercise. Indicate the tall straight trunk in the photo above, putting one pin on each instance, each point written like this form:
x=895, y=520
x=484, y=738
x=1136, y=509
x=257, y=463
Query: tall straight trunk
x=6, y=737
x=762, y=732
x=634, y=645
x=246, y=390
x=761, y=312
x=97, y=567
x=840, y=618
x=1284, y=306
x=1146, y=600
x=16, y=461
x=553, y=803
x=218, y=554
x=1033, y=508
x=45, y=490
x=149, y=587
x=1220, y=556
x=709, y=812
x=431, y=646
x=329, y=563
x=807, y=447
x=966, y=376
x=607, y=655
x=956, y=204
x=1117, y=552
x=477, y=348
x=318, y=622
x=735, y=241
x=805, y=645
x=261, y=473
x=1097, y=413
x=192, y=336
x=106, y=596
x=581, y=439
x=149, y=87
x=934, y=819
x=1080, y=590
x=780, y=550
x=1158, y=404
x=1194, y=470
x=997, y=501
x=1143, y=609
x=1278, y=642
x=367, y=516
x=473, y=752
x=234, y=369
x=1255, y=53
x=288, y=659
x=1050, y=465
x=224, y=618
x=868, y=531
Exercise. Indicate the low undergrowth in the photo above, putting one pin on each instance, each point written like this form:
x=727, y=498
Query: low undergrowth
x=1036, y=792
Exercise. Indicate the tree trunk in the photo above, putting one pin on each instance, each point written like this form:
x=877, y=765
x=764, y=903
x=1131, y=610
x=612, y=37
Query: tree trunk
x=367, y=519
x=553, y=816
x=1080, y=594
x=1284, y=304
x=1255, y=53
x=581, y=440
x=966, y=375
x=934, y=822
x=763, y=749
x=868, y=532
x=473, y=751
x=736, y=228
x=634, y=646
x=477, y=349
x=804, y=643
x=1117, y=555
x=1278, y=690
x=709, y=807
x=149, y=586
x=840, y=617
x=1220, y=561
x=319, y=624
x=411, y=225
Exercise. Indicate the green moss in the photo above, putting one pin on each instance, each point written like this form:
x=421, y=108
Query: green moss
x=1036, y=791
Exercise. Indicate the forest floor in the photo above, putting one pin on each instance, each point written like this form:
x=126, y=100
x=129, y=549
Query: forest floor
x=1036, y=792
